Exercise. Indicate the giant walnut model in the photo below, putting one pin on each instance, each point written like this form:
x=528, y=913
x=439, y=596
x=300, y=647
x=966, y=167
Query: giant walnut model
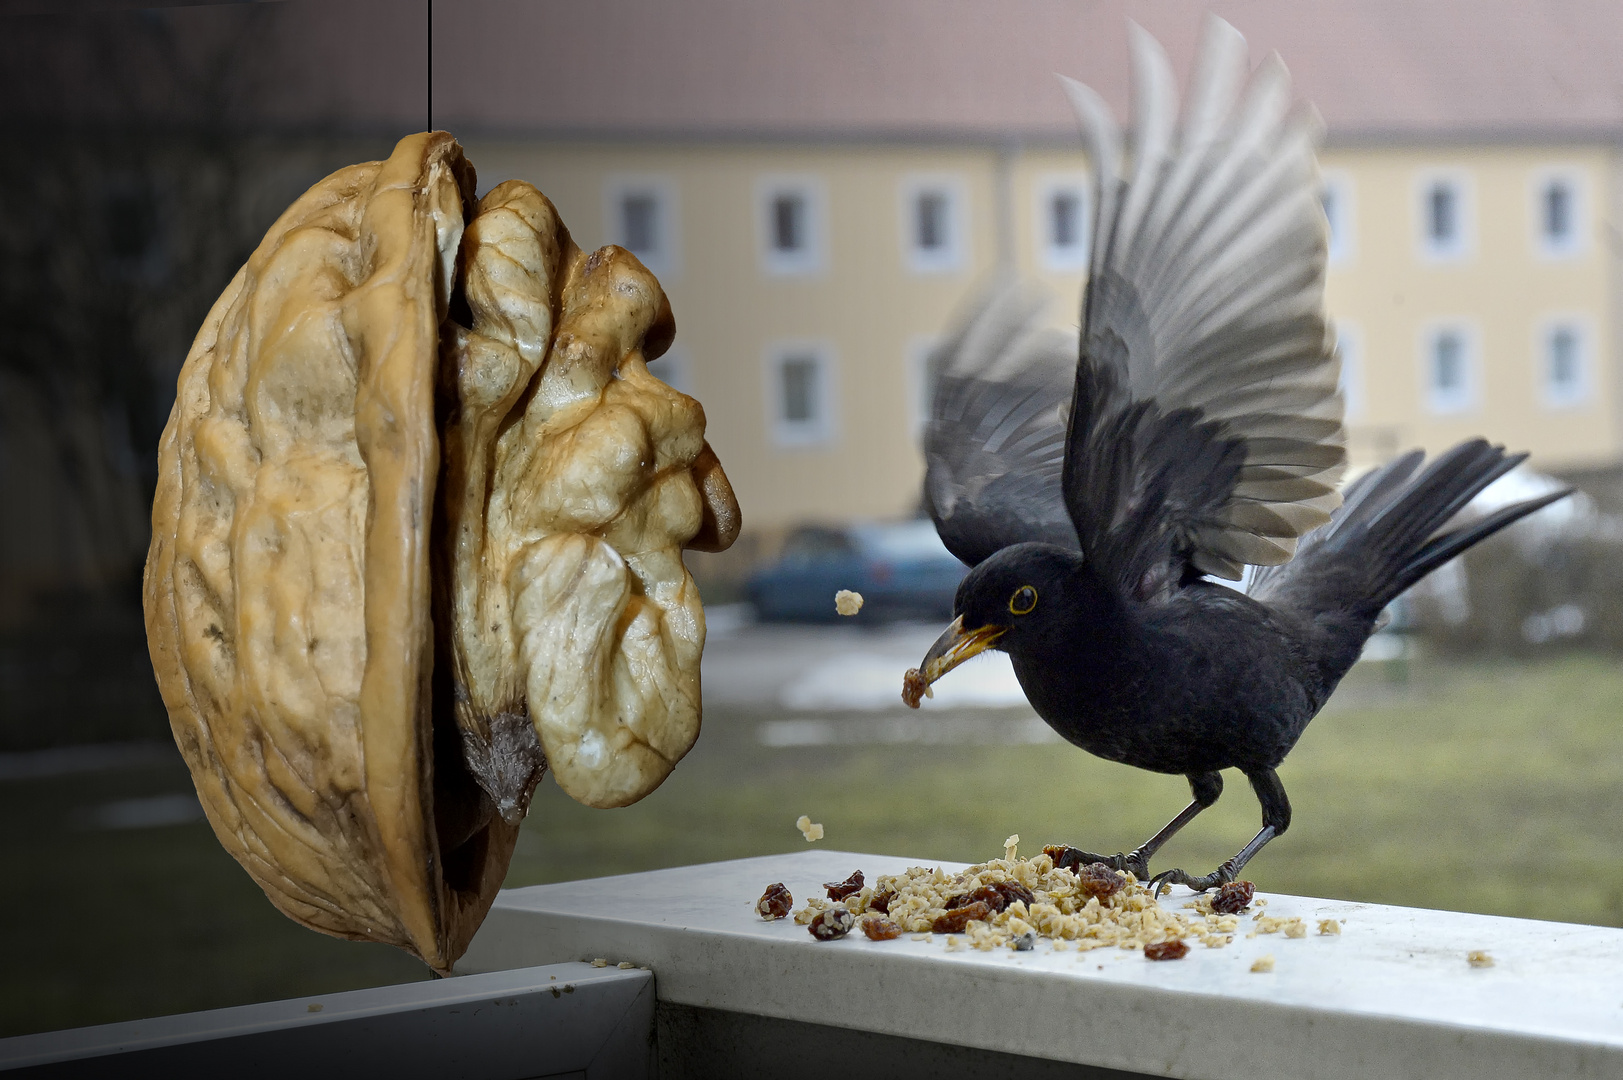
x=417, y=538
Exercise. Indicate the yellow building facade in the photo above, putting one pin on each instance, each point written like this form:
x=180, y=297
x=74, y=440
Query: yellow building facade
x=1474, y=286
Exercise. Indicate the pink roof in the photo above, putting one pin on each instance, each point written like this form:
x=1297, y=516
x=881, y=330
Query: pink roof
x=984, y=69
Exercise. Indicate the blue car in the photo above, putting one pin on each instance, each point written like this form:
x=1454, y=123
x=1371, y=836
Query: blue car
x=902, y=571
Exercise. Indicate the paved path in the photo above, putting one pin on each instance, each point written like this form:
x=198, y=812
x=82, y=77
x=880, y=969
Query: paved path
x=840, y=668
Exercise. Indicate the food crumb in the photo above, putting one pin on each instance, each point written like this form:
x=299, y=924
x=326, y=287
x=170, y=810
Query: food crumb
x=1263, y=964
x=1273, y=924
x=997, y=903
x=809, y=828
x=600, y=962
x=953, y=944
x=1010, y=846
x=313, y=1008
x=626, y=965
x=914, y=687
x=1478, y=958
x=1329, y=926
x=847, y=602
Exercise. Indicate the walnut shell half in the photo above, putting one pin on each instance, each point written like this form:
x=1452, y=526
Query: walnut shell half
x=417, y=535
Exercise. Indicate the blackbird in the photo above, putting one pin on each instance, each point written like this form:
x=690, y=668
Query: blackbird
x=1198, y=432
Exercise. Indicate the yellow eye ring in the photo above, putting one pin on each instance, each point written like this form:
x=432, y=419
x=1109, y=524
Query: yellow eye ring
x=1023, y=600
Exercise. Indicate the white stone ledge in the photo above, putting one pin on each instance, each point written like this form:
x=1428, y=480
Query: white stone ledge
x=1392, y=996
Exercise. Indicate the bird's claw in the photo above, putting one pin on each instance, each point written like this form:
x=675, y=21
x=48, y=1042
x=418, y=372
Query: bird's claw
x=1167, y=878
x=1135, y=863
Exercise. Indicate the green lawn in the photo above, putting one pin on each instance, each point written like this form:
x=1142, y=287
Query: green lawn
x=1490, y=787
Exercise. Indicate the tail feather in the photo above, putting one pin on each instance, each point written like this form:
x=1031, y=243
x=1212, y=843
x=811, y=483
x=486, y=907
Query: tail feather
x=1387, y=535
x=1443, y=548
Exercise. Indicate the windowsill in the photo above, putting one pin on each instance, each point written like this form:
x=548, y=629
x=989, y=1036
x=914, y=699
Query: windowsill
x=1392, y=995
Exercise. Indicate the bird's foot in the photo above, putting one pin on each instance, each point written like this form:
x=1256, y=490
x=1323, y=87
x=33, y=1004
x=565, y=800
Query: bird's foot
x=1070, y=858
x=1168, y=878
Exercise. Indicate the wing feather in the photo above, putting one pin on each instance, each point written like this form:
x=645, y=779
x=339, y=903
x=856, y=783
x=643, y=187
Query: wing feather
x=994, y=445
x=1206, y=422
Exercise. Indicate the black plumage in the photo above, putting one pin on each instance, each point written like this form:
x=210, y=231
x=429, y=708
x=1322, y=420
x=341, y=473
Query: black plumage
x=1199, y=431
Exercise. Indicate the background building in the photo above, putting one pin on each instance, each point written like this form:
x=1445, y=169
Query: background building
x=821, y=186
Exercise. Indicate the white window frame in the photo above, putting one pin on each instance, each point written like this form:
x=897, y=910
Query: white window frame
x=665, y=261
x=1343, y=221
x=822, y=429
x=813, y=258
x=1463, y=246
x=1353, y=384
x=1583, y=329
x=1468, y=398
x=1051, y=256
x=953, y=256
x=1577, y=242
x=676, y=364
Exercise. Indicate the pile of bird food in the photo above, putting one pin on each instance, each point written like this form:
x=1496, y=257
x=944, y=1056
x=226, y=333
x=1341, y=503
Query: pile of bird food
x=1013, y=902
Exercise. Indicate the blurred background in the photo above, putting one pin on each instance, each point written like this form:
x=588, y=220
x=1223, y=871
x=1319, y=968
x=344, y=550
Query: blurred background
x=819, y=184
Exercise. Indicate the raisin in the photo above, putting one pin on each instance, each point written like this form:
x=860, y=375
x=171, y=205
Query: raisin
x=775, y=902
x=1166, y=950
x=1097, y=879
x=839, y=890
x=879, y=929
x=986, y=894
x=954, y=921
x=1012, y=891
x=1234, y=897
x=880, y=901
x=835, y=922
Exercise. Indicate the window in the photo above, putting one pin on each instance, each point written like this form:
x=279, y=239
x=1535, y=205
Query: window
x=1565, y=363
x=641, y=217
x=1450, y=370
x=1559, y=212
x=792, y=234
x=1337, y=196
x=1063, y=223
x=1446, y=228
x=1349, y=343
x=933, y=224
x=672, y=370
x=801, y=394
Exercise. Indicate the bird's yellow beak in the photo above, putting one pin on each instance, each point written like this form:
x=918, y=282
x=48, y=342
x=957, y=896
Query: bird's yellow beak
x=952, y=648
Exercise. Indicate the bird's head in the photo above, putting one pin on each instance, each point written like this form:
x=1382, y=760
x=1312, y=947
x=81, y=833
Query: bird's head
x=1014, y=599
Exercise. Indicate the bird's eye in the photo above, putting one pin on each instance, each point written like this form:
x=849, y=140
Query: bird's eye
x=1023, y=600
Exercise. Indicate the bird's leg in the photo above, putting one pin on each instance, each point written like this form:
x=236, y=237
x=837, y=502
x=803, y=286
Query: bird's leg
x=1206, y=787
x=1276, y=818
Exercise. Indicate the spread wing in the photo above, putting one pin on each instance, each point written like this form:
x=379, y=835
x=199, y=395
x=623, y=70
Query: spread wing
x=995, y=441
x=1205, y=424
